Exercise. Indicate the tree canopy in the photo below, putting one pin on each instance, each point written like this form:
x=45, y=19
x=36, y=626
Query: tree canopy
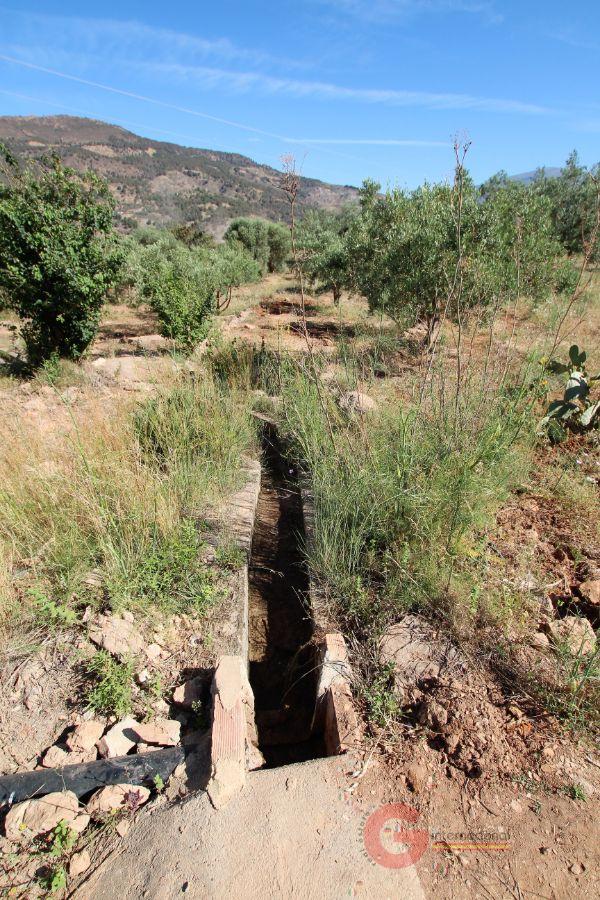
x=59, y=254
x=267, y=242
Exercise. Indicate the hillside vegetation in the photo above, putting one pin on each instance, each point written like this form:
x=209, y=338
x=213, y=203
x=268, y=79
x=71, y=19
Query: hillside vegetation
x=155, y=182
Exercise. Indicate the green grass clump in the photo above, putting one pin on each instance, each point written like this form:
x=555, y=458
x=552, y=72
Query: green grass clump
x=196, y=432
x=117, y=492
x=229, y=556
x=401, y=497
x=112, y=684
x=169, y=577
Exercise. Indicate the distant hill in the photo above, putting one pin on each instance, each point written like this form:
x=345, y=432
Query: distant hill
x=528, y=177
x=155, y=182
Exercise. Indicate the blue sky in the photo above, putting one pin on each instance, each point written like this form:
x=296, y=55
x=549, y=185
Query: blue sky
x=352, y=88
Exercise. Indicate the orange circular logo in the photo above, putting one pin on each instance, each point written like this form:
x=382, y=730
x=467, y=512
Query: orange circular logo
x=388, y=839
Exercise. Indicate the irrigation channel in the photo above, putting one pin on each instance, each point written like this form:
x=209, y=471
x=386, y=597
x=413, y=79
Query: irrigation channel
x=281, y=657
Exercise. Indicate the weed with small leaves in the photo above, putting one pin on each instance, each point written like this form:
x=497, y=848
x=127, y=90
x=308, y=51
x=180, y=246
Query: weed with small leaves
x=112, y=688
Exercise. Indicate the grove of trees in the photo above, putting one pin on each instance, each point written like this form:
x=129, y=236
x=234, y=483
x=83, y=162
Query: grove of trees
x=444, y=249
x=185, y=284
x=439, y=250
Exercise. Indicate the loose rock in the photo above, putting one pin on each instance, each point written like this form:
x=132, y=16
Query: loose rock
x=151, y=343
x=355, y=401
x=590, y=591
x=117, y=636
x=35, y=817
x=80, y=863
x=540, y=641
x=575, y=633
x=164, y=732
x=416, y=775
x=55, y=757
x=119, y=739
x=84, y=737
x=122, y=827
x=154, y=652
x=117, y=796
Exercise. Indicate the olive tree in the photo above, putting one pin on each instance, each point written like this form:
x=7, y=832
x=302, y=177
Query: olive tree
x=518, y=252
x=267, y=242
x=573, y=197
x=186, y=286
x=442, y=249
x=59, y=254
x=231, y=267
x=322, y=241
x=280, y=245
x=404, y=251
x=181, y=289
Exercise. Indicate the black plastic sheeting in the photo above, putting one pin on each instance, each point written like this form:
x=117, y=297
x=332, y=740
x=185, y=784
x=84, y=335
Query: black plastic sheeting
x=82, y=778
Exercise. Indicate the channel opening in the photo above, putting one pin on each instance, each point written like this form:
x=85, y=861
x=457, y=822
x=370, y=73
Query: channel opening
x=281, y=657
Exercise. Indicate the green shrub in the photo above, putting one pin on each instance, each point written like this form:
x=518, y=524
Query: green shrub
x=135, y=246
x=59, y=255
x=181, y=289
x=50, y=612
x=54, y=880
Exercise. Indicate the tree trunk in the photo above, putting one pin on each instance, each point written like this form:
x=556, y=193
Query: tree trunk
x=433, y=329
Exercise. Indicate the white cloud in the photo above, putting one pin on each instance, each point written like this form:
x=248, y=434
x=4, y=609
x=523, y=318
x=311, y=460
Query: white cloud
x=378, y=142
x=135, y=96
x=574, y=39
x=212, y=64
x=391, y=10
x=113, y=38
x=207, y=78
x=286, y=139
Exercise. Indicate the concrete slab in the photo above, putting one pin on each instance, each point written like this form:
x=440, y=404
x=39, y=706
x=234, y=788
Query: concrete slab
x=290, y=833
